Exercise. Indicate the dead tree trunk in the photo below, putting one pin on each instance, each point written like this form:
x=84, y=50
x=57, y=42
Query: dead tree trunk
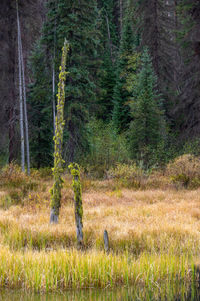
x=58, y=140
x=20, y=96
x=53, y=97
x=75, y=171
x=25, y=108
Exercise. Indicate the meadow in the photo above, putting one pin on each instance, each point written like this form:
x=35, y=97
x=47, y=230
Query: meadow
x=154, y=236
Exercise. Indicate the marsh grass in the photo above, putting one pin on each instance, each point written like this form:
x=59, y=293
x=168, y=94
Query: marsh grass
x=60, y=270
x=154, y=238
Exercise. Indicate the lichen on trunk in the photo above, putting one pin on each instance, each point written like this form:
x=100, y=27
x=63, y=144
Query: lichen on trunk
x=58, y=140
x=75, y=171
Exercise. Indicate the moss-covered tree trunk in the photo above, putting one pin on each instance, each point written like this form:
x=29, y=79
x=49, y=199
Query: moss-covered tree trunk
x=58, y=140
x=75, y=171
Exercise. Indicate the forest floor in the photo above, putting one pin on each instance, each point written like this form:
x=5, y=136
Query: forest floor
x=154, y=237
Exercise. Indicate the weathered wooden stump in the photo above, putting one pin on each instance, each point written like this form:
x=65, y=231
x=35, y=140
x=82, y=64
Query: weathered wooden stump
x=75, y=171
x=53, y=217
x=106, y=241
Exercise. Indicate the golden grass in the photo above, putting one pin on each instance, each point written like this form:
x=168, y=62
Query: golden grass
x=59, y=270
x=137, y=221
x=154, y=237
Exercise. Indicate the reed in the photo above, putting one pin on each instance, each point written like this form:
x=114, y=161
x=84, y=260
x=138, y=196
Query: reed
x=60, y=270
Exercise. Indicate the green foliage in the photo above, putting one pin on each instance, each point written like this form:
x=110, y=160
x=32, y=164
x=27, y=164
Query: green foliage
x=107, y=147
x=107, y=83
x=108, y=53
x=147, y=127
x=40, y=112
x=127, y=175
x=192, y=147
x=58, y=138
x=77, y=22
x=121, y=96
x=3, y=157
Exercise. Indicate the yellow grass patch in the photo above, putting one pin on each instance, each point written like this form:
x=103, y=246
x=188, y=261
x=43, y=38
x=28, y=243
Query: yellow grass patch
x=154, y=234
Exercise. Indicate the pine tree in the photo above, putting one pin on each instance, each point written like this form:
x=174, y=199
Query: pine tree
x=77, y=22
x=186, y=109
x=121, y=96
x=155, y=25
x=41, y=129
x=108, y=53
x=146, y=128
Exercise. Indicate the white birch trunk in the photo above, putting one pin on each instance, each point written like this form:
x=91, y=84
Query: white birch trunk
x=20, y=96
x=25, y=108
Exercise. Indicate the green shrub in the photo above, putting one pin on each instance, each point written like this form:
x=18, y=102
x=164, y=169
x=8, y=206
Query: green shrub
x=128, y=175
x=184, y=171
x=106, y=148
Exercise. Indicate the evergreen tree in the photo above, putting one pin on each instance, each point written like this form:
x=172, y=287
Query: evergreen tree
x=186, y=109
x=156, y=26
x=146, y=128
x=77, y=22
x=108, y=53
x=107, y=84
x=40, y=114
x=121, y=97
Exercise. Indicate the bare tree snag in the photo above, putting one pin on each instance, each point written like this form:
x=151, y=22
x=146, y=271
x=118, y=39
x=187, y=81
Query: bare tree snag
x=25, y=108
x=20, y=95
x=53, y=97
x=75, y=171
x=58, y=140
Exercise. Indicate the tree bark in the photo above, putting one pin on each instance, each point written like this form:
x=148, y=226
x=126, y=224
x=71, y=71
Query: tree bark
x=106, y=241
x=75, y=171
x=11, y=134
x=53, y=79
x=58, y=140
x=20, y=95
x=25, y=108
x=53, y=97
x=53, y=217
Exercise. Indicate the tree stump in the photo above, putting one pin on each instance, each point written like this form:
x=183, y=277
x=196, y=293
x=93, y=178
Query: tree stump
x=53, y=217
x=106, y=241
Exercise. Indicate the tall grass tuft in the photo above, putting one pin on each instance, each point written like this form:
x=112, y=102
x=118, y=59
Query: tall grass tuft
x=61, y=270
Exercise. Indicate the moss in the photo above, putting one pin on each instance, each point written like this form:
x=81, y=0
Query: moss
x=58, y=138
x=76, y=184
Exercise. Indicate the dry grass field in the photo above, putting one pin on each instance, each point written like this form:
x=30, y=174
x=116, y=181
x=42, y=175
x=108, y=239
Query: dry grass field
x=154, y=236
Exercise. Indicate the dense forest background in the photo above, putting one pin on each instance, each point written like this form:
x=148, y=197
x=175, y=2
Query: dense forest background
x=133, y=87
